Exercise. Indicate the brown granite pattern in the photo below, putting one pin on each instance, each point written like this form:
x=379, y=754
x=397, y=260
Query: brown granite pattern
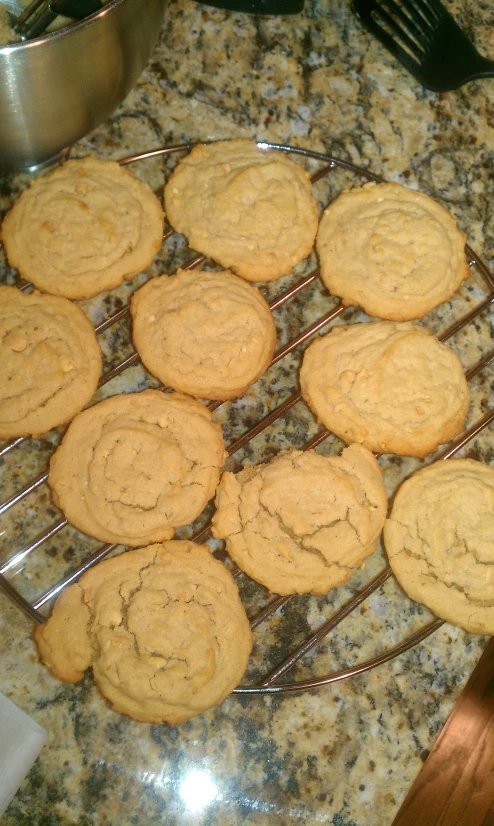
x=344, y=754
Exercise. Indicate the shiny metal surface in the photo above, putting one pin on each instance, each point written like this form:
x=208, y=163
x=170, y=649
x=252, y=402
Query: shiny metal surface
x=59, y=87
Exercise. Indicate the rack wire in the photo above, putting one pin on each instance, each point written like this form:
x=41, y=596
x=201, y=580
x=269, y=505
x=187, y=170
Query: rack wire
x=269, y=683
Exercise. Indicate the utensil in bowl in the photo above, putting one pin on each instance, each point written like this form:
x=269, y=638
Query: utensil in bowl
x=426, y=40
x=36, y=18
x=59, y=87
x=14, y=7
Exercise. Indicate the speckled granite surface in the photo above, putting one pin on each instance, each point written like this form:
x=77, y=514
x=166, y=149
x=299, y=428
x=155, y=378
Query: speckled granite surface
x=343, y=754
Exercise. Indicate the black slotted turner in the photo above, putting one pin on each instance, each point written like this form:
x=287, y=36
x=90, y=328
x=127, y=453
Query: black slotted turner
x=426, y=40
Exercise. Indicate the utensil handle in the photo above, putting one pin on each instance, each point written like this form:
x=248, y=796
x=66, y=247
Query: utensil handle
x=39, y=24
x=76, y=8
x=28, y=11
x=484, y=68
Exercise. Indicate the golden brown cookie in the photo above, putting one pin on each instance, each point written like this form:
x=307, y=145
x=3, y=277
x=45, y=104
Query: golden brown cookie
x=84, y=228
x=51, y=362
x=209, y=334
x=393, y=251
x=250, y=209
x=440, y=541
x=134, y=467
x=304, y=522
x=391, y=387
x=162, y=627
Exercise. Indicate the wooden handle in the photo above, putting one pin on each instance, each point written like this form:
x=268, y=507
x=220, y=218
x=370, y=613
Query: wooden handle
x=455, y=787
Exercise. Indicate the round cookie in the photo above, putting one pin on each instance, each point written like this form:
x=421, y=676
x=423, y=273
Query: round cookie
x=51, y=362
x=440, y=541
x=209, y=334
x=83, y=228
x=393, y=251
x=250, y=209
x=304, y=522
x=162, y=627
x=134, y=467
x=389, y=386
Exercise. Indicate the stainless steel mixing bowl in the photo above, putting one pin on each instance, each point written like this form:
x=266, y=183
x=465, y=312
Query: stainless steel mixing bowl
x=57, y=88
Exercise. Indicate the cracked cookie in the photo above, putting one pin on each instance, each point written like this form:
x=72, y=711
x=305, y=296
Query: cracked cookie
x=162, y=628
x=391, y=250
x=392, y=387
x=134, y=467
x=250, y=209
x=84, y=228
x=440, y=541
x=303, y=522
x=51, y=362
x=209, y=334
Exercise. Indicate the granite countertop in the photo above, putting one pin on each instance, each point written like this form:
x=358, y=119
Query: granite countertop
x=343, y=754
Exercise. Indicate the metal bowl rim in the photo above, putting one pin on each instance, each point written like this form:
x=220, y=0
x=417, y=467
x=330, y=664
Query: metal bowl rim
x=66, y=31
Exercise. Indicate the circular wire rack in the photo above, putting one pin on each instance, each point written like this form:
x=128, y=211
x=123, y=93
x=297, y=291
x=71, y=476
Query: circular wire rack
x=322, y=167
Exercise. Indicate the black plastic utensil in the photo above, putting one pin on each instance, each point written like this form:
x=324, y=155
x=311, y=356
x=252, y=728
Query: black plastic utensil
x=39, y=15
x=426, y=40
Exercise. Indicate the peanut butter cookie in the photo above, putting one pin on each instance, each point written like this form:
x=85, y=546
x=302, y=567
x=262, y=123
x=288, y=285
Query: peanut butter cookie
x=209, y=334
x=440, y=541
x=389, y=386
x=393, y=251
x=134, y=467
x=250, y=209
x=51, y=362
x=84, y=228
x=162, y=627
x=304, y=522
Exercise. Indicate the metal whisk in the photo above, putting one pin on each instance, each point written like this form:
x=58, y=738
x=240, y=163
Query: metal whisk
x=35, y=19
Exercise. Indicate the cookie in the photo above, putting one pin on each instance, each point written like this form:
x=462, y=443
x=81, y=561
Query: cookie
x=209, y=334
x=84, y=228
x=440, y=541
x=162, y=628
x=134, y=467
x=393, y=251
x=303, y=522
x=51, y=362
x=392, y=387
x=251, y=210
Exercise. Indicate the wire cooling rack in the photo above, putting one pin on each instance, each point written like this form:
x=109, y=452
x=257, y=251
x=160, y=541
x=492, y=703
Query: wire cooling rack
x=266, y=681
